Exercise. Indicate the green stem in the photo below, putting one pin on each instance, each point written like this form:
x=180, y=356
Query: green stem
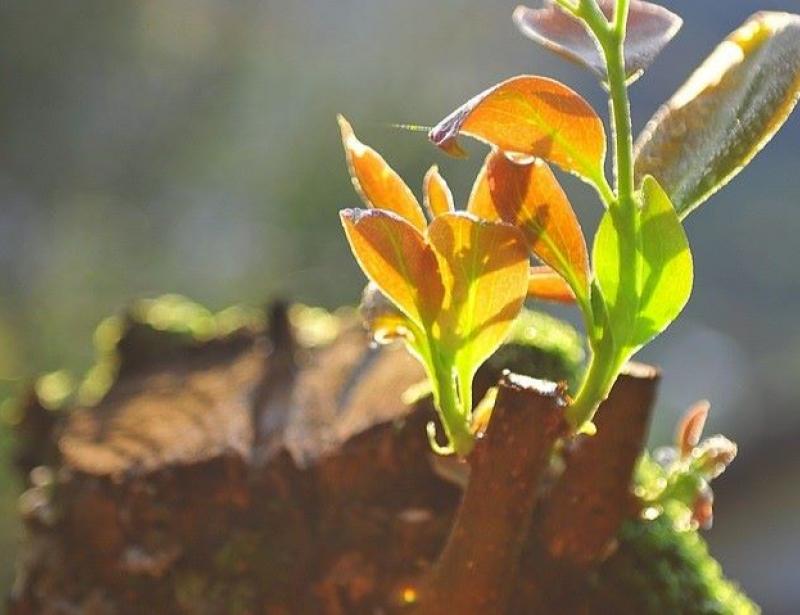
x=621, y=17
x=446, y=400
x=590, y=12
x=448, y=404
x=465, y=394
x=600, y=375
x=609, y=354
x=605, y=191
x=621, y=112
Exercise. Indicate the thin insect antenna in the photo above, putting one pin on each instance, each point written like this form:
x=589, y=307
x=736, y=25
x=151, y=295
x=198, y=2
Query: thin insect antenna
x=411, y=127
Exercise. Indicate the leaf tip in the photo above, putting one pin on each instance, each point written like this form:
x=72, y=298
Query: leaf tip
x=448, y=144
x=438, y=198
x=345, y=128
x=444, y=135
x=519, y=16
x=352, y=215
x=345, y=215
x=352, y=146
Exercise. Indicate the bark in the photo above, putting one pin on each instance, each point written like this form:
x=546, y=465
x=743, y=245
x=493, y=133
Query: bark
x=255, y=474
x=477, y=570
x=582, y=514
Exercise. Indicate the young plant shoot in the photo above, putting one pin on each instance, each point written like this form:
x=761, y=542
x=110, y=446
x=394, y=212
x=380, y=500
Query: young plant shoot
x=450, y=284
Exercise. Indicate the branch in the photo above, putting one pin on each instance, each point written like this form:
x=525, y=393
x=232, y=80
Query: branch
x=582, y=514
x=477, y=569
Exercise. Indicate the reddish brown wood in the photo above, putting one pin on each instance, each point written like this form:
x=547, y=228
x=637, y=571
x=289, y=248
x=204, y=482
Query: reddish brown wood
x=477, y=570
x=252, y=475
x=583, y=512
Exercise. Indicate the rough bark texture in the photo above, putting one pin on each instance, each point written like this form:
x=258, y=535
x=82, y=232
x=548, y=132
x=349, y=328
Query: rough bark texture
x=250, y=473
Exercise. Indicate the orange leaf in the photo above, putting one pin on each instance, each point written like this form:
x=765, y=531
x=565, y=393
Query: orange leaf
x=532, y=116
x=437, y=196
x=395, y=256
x=480, y=199
x=376, y=182
x=544, y=284
x=485, y=270
x=690, y=429
x=529, y=197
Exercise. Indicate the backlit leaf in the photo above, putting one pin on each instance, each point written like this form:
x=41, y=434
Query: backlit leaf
x=485, y=269
x=650, y=27
x=529, y=197
x=438, y=198
x=690, y=429
x=480, y=199
x=532, y=116
x=395, y=256
x=620, y=306
x=376, y=182
x=725, y=113
x=666, y=270
x=544, y=284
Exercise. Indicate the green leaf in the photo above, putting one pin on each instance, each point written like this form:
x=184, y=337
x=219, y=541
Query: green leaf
x=612, y=248
x=641, y=308
x=666, y=270
x=725, y=113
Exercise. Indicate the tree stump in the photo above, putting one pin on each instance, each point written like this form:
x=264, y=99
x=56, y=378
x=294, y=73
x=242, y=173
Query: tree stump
x=251, y=473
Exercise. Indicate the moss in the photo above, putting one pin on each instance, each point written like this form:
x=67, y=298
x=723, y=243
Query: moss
x=196, y=593
x=541, y=346
x=659, y=569
x=183, y=317
x=190, y=590
x=663, y=565
x=316, y=326
x=169, y=322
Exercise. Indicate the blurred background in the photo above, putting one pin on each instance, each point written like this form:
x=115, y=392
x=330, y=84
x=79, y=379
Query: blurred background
x=190, y=146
